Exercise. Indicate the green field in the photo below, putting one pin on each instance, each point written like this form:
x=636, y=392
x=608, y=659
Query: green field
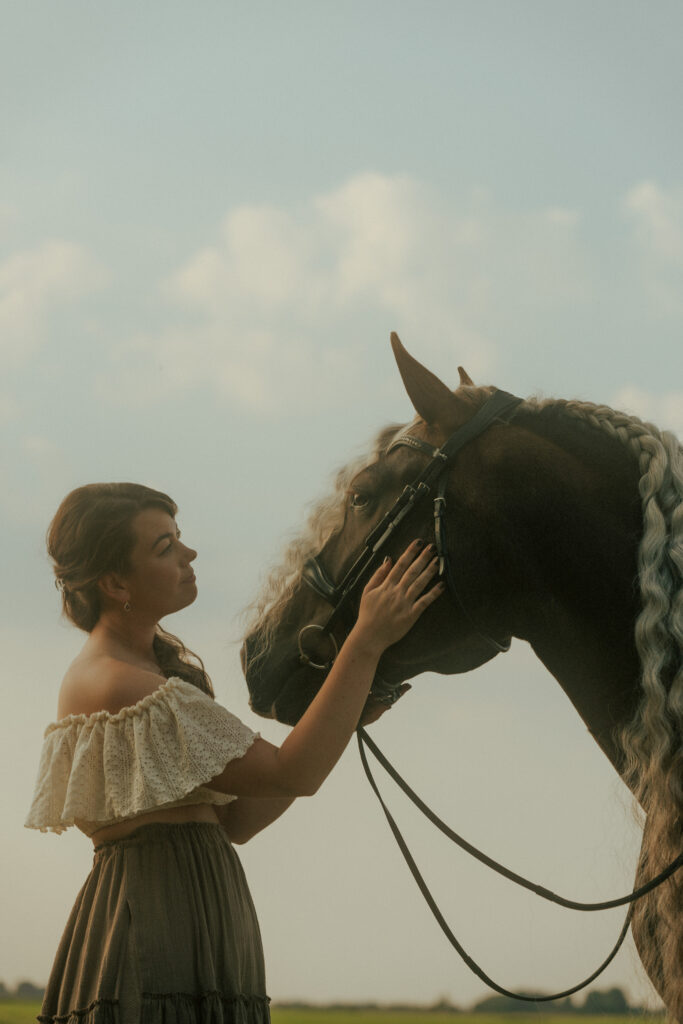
x=281, y=1016
x=25, y=1013
x=18, y=1013
x=409, y=1017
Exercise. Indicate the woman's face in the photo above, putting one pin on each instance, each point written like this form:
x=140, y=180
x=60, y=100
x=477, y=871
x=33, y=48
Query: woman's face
x=161, y=580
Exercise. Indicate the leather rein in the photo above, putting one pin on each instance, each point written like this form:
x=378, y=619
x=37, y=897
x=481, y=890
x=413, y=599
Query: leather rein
x=498, y=408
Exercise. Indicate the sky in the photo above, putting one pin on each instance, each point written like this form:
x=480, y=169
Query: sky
x=211, y=218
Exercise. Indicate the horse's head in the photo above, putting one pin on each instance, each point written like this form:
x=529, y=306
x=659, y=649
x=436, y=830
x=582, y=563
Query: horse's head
x=284, y=667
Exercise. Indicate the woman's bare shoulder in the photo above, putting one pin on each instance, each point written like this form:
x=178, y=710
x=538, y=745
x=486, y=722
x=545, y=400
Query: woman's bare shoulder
x=100, y=682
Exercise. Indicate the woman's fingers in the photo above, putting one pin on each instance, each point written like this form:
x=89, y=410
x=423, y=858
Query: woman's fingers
x=423, y=578
x=428, y=598
x=394, y=597
x=379, y=575
x=414, y=558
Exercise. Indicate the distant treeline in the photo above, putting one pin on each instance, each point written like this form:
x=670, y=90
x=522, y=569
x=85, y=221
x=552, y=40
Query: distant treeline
x=25, y=990
x=612, y=1001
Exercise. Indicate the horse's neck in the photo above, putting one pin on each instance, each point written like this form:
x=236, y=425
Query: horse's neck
x=601, y=680
x=580, y=559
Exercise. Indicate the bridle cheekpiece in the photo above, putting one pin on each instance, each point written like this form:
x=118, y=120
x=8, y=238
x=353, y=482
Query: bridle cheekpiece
x=498, y=408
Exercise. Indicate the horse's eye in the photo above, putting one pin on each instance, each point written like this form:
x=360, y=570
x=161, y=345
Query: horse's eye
x=358, y=501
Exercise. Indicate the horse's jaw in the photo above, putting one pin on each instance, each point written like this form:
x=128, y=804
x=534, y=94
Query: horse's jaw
x=468, y=655
x=287, y=703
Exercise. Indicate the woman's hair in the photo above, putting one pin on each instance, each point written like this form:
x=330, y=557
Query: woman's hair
x=92, y=534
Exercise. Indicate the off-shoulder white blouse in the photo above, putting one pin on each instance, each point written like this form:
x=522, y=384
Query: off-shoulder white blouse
x=99, y=769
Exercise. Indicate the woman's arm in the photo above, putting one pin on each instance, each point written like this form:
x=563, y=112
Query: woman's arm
x=392, y=601
x=245, y=817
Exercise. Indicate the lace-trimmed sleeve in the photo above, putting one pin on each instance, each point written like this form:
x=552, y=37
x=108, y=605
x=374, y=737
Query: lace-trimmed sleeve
x=103, y=768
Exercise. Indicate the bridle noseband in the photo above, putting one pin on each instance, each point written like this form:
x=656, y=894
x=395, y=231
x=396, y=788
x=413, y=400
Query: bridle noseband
x=499, y=407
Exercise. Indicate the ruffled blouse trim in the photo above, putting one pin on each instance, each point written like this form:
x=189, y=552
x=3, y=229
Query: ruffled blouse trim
x=103, y=768
x=131, y=710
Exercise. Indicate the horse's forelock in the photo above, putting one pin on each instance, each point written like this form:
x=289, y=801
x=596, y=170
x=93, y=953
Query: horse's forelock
x=326, y=516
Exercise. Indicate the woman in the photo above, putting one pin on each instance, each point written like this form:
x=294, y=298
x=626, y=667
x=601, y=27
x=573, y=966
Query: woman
x=163, y=779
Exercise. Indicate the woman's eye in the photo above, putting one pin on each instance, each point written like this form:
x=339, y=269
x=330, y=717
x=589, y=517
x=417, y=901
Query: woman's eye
x=358, y=500
x=166, y=550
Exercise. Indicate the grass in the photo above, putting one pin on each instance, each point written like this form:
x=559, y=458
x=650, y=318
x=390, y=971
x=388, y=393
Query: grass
x=25, y=1013
x=18, y=1013
x=286, y=1016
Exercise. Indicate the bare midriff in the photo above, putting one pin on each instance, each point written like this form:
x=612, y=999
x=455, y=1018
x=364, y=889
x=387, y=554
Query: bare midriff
x=172, y=816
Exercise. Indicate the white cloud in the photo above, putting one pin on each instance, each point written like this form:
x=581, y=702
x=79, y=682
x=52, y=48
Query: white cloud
x=561, y=216
x=355, y=243
x=665, y=410
x=278, y=309
x=33, y=284
x=657, y=218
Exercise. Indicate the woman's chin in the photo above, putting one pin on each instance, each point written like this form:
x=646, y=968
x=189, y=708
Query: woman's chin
x=187, y=597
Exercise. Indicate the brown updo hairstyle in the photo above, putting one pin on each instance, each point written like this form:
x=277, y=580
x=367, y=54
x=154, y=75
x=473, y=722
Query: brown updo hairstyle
x=92, y=534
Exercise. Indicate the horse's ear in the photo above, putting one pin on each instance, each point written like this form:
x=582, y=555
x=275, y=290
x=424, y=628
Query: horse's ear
x=433, y=401
x=465, y=377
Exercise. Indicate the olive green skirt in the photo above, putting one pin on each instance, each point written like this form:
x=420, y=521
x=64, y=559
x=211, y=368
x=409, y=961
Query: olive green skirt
x=163, y=932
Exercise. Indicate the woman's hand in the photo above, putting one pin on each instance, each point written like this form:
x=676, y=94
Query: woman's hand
x=392, y=601
x=395, y=597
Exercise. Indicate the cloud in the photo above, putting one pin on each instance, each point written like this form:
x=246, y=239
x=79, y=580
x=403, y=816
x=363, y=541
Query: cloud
x=656, y=215
x=277, y=310
x=665, y=410
x=35, y=283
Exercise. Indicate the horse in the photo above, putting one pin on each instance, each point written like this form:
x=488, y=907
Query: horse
x=564, y=527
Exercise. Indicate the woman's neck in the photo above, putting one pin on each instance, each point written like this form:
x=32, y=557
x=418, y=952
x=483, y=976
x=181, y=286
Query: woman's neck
x=121, y=637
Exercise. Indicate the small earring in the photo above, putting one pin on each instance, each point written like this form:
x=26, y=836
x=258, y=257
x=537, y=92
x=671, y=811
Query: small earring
x=126, y=606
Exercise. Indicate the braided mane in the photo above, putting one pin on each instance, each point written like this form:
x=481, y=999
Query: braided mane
x=653, y=740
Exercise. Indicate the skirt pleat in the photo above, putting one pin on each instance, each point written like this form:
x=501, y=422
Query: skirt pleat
x=162, y=932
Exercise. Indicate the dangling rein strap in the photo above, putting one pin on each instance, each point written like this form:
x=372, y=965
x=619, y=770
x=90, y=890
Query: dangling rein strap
x=363, y=741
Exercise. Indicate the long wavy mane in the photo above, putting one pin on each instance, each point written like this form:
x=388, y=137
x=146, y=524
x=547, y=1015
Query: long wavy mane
x=653, y=740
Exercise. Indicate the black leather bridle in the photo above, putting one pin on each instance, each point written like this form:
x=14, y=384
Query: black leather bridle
x=498, y=408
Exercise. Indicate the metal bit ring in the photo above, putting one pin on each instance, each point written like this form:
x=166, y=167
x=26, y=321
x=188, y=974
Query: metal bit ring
x=304, y=658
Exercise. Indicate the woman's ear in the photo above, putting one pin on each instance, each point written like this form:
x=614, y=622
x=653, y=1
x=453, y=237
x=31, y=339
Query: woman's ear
x=113, y=587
